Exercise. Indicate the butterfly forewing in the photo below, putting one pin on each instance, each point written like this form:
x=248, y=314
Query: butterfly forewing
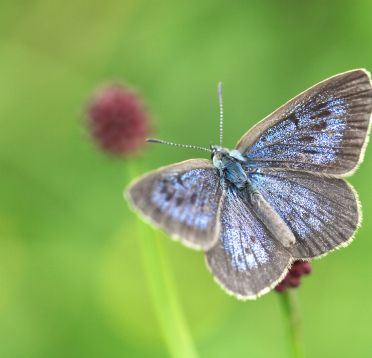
x=247, y=261
x=322, y=130
x=182, y=199
x=322, y=212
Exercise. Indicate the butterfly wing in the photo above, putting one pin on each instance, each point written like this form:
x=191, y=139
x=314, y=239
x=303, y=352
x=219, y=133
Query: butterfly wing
x=246, y=261
x=323, y=130
x=322, y=212
x=182, y=199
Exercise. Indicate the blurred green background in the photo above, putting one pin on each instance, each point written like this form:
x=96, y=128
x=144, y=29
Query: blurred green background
x=72, y=282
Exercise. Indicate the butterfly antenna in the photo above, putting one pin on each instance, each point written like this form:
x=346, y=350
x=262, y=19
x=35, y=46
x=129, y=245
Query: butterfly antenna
x=155, y=140
x=221, y=111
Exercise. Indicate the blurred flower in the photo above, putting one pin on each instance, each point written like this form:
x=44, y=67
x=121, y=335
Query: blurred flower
x=293, y=278
x=117, y=120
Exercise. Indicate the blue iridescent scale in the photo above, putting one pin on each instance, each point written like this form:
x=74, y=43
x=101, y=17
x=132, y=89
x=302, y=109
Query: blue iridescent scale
x=245, y=238
x=176, y=196
x=310, y=136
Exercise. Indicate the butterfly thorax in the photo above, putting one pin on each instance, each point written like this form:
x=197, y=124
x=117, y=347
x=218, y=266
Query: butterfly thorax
x=229, y=165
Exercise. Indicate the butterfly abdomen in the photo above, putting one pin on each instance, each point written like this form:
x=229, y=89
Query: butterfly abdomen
x=270, y=218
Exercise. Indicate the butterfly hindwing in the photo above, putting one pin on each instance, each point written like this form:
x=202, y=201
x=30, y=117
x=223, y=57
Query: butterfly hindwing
x=182, y=199
x=322, y=212
x=322, y=130
x=247, y=261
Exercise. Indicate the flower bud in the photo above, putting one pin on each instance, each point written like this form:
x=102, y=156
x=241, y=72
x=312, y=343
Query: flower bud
x=293, y=277
x=117, y=120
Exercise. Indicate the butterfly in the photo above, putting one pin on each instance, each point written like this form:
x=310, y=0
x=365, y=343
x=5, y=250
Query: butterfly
x=277, y=197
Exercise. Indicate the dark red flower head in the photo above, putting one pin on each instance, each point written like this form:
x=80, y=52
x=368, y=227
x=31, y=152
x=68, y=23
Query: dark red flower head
x=293, y=278
x=117, y=120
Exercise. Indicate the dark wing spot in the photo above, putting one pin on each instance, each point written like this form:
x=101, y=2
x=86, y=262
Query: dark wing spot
x=179, y=201
x=320, y=106
x=319, y=126
x=293, y=118
x=310, y=151
x=307, y=139
x=253, y=238
x=193, y=198
x=324, y=113
x=179, y=180
x=167, y=191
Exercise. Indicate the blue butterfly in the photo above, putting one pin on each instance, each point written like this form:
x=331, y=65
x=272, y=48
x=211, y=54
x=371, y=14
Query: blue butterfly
x=277, y=197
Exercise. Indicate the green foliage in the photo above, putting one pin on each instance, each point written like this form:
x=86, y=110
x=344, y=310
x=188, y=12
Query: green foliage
x=72, y=283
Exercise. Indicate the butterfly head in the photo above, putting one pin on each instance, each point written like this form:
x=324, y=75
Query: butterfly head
x=221, y=156
x=220, y=152
x=218, y=156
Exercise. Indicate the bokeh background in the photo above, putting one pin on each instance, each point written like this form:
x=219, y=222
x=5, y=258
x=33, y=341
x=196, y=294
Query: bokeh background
x=72, y=276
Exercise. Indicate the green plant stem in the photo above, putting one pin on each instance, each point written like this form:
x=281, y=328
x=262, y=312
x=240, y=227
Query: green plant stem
x=162, y=292
x=290, y=305
x=164, y=298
